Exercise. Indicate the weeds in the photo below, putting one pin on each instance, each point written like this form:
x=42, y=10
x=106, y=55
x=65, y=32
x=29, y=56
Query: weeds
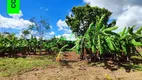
x=12, y=66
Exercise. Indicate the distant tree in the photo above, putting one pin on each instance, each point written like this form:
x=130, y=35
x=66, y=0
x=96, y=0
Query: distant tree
x=25, y=33
x=83, y=16
x=40, y=27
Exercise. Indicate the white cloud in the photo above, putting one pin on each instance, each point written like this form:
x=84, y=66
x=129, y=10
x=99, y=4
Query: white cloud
x=51, y=27
x=34, y=33
x=15, y=22
x=70, y=13
x=116, y=6
x=58, y=36
x=16, y=16
x=61, y=24
x=52, y=33
x=67, y=32
x=46, y=36
x=127, y=12
x=70, y=37
x=130, y=17
x=20, y=34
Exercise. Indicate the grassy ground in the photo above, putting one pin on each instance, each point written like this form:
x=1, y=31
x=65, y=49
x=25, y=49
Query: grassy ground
x=141, y=53
x=77, y=71
x=138, y=67
x=12, y=66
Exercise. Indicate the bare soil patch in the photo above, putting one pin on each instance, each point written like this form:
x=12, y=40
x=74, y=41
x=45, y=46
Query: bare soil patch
x=76, y=71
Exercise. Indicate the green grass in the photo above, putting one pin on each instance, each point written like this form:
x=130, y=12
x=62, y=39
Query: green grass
x=141, y=53
x=12, y=66
x=137, y=67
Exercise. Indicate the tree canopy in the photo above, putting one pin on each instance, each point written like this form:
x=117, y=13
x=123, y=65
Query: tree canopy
x=83, y=16
x=41, y=27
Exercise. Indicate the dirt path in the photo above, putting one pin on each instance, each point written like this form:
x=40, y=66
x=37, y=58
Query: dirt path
x=76, y=71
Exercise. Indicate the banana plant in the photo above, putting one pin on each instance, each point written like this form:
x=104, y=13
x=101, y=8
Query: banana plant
x=59, y=55
x=129, y=40
x=100, y=40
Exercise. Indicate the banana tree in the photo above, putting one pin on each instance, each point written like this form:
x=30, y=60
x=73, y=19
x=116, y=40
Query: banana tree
x=51, y=45
x=94, y=40
x=129, y=40
x=101, y=41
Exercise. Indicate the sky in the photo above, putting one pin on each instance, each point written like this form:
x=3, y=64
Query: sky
x=126, y=12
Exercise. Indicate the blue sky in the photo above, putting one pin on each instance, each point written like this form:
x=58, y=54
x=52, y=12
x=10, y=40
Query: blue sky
x=125, y=12
x=51, y=10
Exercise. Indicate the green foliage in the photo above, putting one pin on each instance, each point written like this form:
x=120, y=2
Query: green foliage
x=83, y=16
x=55, y=44
x=102, y=39
x=25, y=33
x=12, y=45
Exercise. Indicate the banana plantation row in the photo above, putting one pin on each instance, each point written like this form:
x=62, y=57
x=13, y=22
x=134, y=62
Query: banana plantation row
x=11, y=46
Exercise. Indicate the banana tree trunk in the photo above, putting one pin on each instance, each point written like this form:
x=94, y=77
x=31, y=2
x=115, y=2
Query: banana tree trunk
x=82, y=55
x=40, y=50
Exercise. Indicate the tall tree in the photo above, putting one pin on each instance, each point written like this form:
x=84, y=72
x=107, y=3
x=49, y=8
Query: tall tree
x=40, y=28
x=83, y=16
